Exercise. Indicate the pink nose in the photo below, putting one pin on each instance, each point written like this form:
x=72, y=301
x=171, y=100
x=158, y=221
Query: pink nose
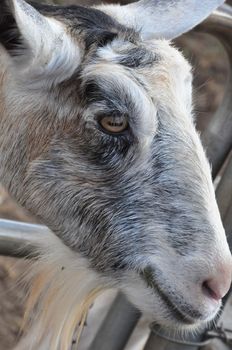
x=218, y=285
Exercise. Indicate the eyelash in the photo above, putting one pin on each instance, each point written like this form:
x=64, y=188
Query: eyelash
x=119, y=141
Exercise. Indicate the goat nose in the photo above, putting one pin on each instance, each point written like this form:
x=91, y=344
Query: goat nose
x=218, y=285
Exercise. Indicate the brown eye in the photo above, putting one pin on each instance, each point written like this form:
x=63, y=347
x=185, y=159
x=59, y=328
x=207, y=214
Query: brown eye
x=114, y=124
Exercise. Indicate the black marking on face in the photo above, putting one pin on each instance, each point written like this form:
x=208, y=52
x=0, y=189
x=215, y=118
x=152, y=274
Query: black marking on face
x=105, y=92
x=93, y=25
x=137, y=57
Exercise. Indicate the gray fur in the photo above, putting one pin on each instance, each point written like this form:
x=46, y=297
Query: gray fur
x=136, y=201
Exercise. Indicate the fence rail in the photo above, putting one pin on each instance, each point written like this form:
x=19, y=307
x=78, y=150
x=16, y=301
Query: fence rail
x=18, y=238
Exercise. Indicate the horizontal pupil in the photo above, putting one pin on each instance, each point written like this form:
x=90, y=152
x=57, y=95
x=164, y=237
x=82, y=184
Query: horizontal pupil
x=115, y=124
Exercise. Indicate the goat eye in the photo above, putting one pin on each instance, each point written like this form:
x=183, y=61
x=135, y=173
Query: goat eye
x=114, y=124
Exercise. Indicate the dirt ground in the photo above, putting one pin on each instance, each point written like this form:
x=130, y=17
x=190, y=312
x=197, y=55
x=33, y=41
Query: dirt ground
x=210, y=72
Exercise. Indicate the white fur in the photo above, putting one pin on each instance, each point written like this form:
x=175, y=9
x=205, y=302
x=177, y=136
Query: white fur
x=66, y=283
x=53, y=52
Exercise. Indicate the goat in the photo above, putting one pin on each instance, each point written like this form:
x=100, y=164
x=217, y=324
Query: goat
x=98, y=141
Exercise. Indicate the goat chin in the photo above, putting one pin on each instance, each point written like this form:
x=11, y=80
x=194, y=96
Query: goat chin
x=61, y=289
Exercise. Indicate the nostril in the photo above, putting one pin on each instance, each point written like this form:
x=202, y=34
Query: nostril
x=218, y=284
x=209, y=292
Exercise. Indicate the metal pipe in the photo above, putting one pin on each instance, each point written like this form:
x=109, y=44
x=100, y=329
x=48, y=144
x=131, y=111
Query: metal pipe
x=217, y=138
x=224, y=191
x=18, y=239
x=117, y=325
x=224, y=199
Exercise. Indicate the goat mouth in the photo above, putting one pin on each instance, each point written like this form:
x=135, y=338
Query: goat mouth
x=178, y=314
x=190, y=317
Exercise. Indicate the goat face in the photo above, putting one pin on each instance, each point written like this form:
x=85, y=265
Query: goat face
x=99, y=142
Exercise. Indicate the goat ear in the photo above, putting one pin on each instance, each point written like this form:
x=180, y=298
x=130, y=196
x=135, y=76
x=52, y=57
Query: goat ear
x=163, y=19
x=34, y=40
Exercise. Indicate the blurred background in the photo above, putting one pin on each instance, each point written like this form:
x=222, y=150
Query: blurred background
x=210, y=71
